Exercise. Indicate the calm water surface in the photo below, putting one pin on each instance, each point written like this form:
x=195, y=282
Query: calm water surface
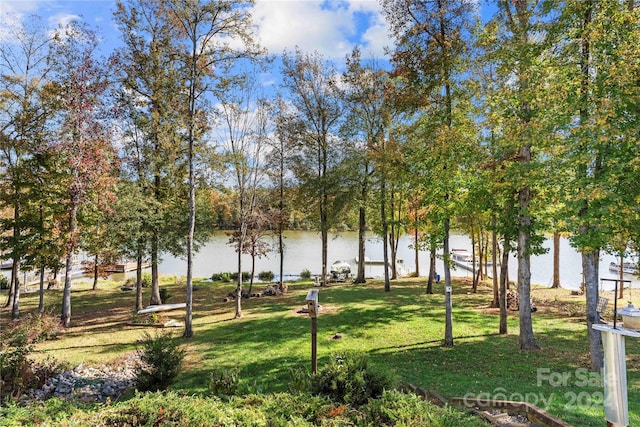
x=303, y=251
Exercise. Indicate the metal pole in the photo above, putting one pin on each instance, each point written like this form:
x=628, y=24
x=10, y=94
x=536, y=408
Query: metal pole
x=314, y=347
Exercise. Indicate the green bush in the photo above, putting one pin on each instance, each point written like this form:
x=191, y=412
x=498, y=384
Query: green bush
x=305, y=274
x=245, y=276
x=161, y=358
x=273, y=410
x=221, y=277
x=266, y=276
x=146, y=280
x=224, y=382
x=164, y=294
x=299, y=380
x=4, y=282
x=351, y=378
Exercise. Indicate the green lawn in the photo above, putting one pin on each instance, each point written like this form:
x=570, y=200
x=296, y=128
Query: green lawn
x=402, y=329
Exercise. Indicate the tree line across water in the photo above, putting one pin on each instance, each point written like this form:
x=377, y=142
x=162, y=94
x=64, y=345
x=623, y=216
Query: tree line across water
x=510, y=126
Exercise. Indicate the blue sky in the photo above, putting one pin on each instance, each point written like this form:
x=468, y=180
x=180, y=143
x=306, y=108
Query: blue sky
x=332, y=27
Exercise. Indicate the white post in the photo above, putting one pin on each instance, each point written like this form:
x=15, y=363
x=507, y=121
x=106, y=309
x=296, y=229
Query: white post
x=616, y=409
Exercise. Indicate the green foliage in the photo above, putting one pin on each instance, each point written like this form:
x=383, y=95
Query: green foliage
x=4, y=282
x=146, y=280
x=224, y=382
x=161, y=358
x=397, y=409
x=299, y=380
x=164, y=294
x=266, y=276
x=221, y=277
x=245, y=276
x=18, y=372
x=305, y=274
x=351, y=378
x=272, y=410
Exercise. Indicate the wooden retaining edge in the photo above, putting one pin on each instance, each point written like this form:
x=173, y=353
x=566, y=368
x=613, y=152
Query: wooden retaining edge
x=533, y=413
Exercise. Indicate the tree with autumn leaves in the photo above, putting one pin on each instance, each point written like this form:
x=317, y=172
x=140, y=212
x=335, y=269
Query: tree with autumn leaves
x=80, y=138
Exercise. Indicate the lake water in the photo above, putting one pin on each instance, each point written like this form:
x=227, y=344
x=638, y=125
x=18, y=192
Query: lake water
x=303, y=251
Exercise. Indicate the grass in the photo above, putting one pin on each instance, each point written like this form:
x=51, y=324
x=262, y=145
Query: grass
x=403, y=329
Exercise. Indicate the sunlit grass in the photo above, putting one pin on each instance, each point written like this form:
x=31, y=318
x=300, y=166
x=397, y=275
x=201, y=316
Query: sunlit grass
x=403, y=329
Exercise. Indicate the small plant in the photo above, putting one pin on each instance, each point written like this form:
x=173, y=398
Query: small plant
x=224, y=382
x=245, y=276
x=351, y=378
x=222, y=277
x=266, y=276
x=4, y=282
x=146, y=280
x=164, y=294
x=305, y=274
x=299, y=380
x=161, y=358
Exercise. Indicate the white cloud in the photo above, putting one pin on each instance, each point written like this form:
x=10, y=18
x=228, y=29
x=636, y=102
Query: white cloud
x=331, y=28
x=62, y=20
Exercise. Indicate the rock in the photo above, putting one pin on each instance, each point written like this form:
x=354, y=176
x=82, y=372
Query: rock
x=89, y=384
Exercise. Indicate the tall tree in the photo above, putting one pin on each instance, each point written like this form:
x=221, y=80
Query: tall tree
x=277, y=168
x=24, y=111
x=81, y=139
x=520, y=51
x=368, y=120
x=153, y=119
x=315, y=117
x=244, y=120
x=430, y=57
x=205, y=29
x=600, y=105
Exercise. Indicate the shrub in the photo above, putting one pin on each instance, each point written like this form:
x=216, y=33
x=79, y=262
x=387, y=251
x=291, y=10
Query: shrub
x=266, y=276
x=299, y=380
x=4, y=282
x=146, y=280
x=305, y=274
x=245, y=276
x=352, y=379
x=161, y=358
x=224, y=382
x=164, y=294
x=223, y=277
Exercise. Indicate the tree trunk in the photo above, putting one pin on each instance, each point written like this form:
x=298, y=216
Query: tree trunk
x=155, y=285
x=188, y=320
x=556, y=260
x=474, y=283
x=590, y=271
x=41, y=290
x=361, y=244
x=139, y=280
x=324, y=234
x=385, y=243
x=432, y=268
x=527, y=340
x=504, y=277
x=448, y=329
x=15, y=307
x=239, y=281
x=12, y=279
x=417, y=248
x=494, y=267
x=95, y=272
x=253, y=270
x=65, y=318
